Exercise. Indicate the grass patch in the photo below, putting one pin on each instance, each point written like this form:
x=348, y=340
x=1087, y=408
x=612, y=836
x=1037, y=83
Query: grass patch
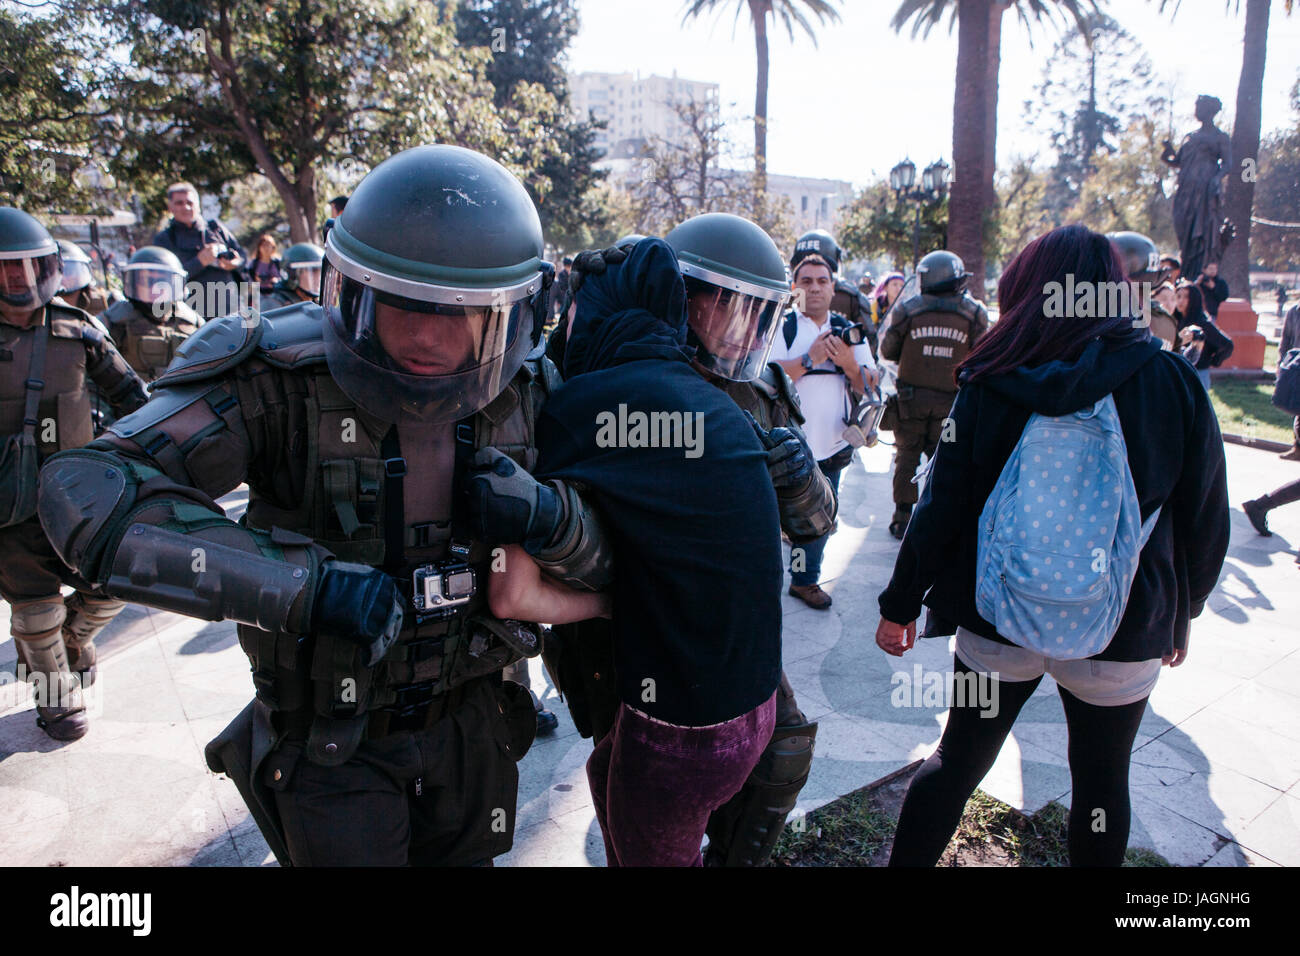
x=858, y=830
x=1247, y=409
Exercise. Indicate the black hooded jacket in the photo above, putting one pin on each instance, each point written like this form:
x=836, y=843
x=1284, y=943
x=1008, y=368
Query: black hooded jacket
x=697, y=613
x=1174, y=452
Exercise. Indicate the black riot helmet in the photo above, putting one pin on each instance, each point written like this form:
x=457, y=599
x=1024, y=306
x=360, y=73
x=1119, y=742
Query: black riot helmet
x=737, y=290
x=30, y=273
x=942, y=273
x=435, y=286
x=76, y=267
x=302, y=266
x=819, y=242
x=153, y=275
x=1139, y=255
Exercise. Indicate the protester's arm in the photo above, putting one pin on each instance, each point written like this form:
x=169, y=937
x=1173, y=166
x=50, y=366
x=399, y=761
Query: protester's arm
x=1200, y=501
x=937, y=520
x=520, y=591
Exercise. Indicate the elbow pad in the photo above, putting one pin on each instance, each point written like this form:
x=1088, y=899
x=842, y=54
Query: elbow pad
x=581, y=557
x=809, y=512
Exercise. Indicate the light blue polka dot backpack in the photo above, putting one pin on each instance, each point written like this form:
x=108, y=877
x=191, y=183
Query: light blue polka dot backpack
x=1060, y=536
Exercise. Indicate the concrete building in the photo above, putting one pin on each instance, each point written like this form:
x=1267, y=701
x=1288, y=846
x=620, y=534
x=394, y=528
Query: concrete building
x=636, y=106
x=816, y=202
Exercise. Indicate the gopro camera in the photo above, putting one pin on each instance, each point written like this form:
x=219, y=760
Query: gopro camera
x=440, y=588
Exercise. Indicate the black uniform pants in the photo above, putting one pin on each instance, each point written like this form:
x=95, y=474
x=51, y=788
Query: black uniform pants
x=920, y=426
x=442, y=796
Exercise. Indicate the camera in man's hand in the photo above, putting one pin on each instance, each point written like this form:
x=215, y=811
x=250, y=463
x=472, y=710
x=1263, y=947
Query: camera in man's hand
x=854, y=334
x=227, y=254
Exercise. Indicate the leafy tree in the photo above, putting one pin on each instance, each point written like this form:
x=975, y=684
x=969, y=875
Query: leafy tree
x=1022, y=209
x=789, y=13
x=1127, y=189
x=975, y=103
x=1277, y=196
x=213, y=91
x=528, y=40
x=1096, y=82
x=877, y=224
x=54, y=105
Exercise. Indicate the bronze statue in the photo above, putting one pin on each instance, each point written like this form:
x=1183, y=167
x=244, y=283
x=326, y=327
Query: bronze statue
x=1202, y=161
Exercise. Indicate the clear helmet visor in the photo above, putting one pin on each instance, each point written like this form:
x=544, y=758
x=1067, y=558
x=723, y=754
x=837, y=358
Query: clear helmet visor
x=307, y=277
x=420, y=362
x=149, y=285
x=732, y=331
x=28, y=282
x=76, y=275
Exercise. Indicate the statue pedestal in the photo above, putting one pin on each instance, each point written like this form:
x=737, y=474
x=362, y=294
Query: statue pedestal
x=1239, y=322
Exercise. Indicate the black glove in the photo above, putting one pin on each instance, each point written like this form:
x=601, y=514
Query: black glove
x=789, y=459
x=359, y=604
x=506, y=505
x=594, y=262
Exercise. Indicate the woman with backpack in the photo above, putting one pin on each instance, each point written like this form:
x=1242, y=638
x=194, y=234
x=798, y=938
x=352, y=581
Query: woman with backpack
x=1154, y=506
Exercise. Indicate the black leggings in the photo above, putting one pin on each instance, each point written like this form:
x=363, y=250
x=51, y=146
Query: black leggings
x=1285, y=495
x=1101, y=741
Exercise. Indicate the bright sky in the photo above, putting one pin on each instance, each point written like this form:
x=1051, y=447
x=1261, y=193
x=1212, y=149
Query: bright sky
x=867, y=96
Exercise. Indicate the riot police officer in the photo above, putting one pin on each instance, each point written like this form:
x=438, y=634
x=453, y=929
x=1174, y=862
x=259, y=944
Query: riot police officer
x=381, y=732
x=1146, y=270
x=153, y=320
x=847, y=299
x=78, y=288
x=47, y=351
x=736, y=293
x=301, y=282
x=927, y=334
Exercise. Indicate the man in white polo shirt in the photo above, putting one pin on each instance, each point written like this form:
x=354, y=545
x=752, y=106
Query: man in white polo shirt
x=830, y=376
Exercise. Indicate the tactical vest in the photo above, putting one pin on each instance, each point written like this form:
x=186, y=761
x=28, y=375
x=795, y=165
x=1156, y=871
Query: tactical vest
x=64, y=412
x=846, y=300
x=149, y=345
x=344, y=508
x=937, y=337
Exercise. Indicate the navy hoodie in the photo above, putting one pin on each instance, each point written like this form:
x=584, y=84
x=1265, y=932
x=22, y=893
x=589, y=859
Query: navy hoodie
x=1174, y=451
x=695, y=531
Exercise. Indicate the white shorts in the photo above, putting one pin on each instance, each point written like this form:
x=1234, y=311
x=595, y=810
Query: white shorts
x=1101, y=683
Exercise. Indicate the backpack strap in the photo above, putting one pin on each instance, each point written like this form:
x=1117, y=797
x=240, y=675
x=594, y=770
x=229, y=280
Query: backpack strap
x=790, y=328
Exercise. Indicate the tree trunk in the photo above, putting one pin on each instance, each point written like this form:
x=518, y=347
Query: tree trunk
x=971, y=113
x=996, y=10
x=758, y=11
x=1235, y=267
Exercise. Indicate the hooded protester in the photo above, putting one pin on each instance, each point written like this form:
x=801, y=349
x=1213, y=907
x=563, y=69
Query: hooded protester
x=681, y=480
x=1033, y=362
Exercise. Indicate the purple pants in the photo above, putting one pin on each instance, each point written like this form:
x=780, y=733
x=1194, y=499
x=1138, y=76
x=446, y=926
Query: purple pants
x=655, y=784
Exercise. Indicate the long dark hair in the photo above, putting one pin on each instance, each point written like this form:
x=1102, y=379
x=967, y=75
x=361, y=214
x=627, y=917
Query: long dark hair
x=1195, y=306
x=1029, y=333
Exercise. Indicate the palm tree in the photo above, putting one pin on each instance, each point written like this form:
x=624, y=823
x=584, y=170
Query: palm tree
x=975, y=101
x=790, y=13
x=1240, y=200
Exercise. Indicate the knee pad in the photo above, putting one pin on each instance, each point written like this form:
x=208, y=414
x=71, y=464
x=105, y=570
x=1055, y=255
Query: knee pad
x=33, y=619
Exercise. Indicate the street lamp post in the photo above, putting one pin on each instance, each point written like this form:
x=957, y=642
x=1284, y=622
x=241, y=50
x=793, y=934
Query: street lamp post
x=934, y=185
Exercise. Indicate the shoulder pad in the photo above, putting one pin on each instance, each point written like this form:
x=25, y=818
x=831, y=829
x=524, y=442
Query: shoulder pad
x=182, y=312
x=972, y=307
x=69, y=322
x=220, y=345
x=293, y=336
x=774, y=384
x=162, y=404
x=541, y=369
x=844, y=285
x=119, y=312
